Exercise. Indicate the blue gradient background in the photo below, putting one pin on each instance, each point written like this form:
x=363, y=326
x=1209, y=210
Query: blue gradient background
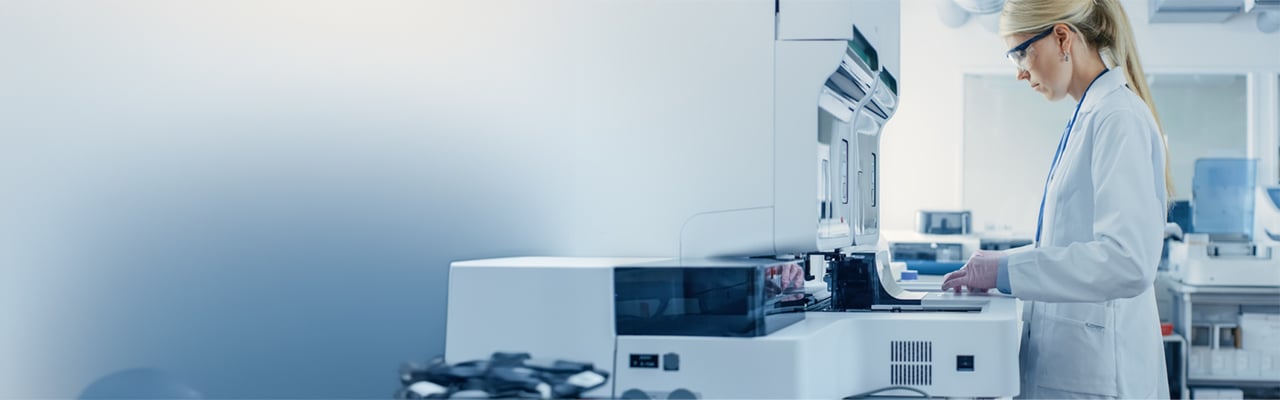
x=258, y=196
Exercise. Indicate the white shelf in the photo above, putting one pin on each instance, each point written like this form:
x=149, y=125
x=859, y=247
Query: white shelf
x=1248, y=379
x=1179, y=287
x=1186, y=297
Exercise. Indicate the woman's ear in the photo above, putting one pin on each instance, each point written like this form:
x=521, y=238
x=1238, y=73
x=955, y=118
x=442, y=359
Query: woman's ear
x=1063, y=33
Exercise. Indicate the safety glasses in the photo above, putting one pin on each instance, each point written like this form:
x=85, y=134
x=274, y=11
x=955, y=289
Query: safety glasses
x=1018, y=55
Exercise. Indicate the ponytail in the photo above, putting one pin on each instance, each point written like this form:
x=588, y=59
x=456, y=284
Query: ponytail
x=1113, y=27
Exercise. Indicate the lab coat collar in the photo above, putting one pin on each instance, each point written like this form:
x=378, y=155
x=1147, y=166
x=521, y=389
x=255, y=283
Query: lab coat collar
x=1110, y=80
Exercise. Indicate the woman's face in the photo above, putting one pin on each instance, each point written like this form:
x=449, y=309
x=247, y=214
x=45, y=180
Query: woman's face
x=1041, y=63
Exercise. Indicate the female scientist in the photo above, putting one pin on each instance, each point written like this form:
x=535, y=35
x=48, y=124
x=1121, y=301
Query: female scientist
x=1090, y=324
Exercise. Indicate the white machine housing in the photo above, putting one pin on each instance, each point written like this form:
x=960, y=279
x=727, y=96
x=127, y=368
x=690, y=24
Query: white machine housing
x=695, y=128
x=717, y=128
x=563, y=308
x=546, y=306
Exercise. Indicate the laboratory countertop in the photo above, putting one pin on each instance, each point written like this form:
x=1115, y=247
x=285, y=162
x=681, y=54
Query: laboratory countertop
x=1180, y=287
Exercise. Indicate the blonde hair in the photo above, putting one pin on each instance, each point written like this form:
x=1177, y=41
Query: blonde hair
x=1105, y=27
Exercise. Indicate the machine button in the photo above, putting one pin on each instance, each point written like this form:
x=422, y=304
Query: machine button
x=964, y=363
x=671, y=362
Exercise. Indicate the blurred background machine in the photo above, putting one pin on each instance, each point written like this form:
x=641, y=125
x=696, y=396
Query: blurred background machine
x=1222, y=246
x=943, y=242
x=1221, y=279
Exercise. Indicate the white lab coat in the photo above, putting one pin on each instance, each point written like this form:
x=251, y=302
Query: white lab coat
x=1091, y=327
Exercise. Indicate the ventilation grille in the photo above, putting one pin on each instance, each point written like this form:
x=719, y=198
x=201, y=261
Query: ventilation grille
x=917, y=351
x=911, y=363
x=911, y=374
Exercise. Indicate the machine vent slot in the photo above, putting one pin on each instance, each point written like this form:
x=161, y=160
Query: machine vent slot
x=911, y=363
x=911, y=351
x=911, y=374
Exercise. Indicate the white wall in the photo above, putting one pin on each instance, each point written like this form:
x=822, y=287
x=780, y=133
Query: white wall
x=923, y=166
x=1204, y=116
x=1006, y=124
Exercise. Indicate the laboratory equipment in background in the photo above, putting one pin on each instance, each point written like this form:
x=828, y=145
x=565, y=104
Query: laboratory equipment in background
x=1002, y=241
x=1223, y=279
x=768, y=191
x=943, y=242
x=1223, y=248
x=931, y=254
x=733, y=328
x=1267, y=219
x=944, y=222
x=1180, y=214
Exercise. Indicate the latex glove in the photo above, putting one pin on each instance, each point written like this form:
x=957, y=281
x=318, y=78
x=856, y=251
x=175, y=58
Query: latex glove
x=978, y=274
x=793, y=282
x=786, y=280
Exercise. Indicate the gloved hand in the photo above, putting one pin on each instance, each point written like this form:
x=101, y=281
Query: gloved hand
x=786, y=280
x=793, y=282
x=978, y=274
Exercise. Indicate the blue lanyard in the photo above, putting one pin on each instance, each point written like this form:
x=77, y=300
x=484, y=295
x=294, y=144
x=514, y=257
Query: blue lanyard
x=1062, y=147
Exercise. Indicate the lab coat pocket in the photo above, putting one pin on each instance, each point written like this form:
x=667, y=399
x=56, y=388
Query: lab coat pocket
x=1077, y=349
